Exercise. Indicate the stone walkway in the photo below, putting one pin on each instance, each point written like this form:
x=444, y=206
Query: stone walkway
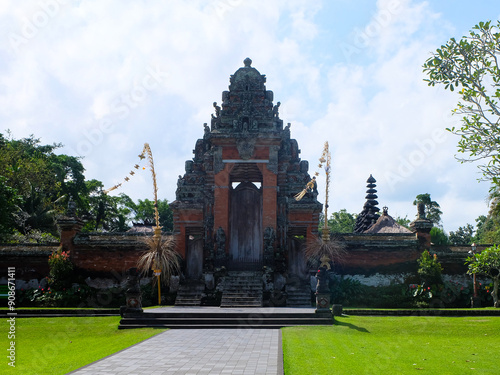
x=197, y=352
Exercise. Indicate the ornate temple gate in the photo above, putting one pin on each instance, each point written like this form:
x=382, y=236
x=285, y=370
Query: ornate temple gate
x=237, y=191
x=246, y=226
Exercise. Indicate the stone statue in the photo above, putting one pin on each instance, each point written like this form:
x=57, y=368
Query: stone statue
x=217, y=110
x=322, y=277
x=133, y=293
x=286, y=131
x=276, y=113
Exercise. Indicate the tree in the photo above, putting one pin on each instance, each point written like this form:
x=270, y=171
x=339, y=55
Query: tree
x=103, y=212
x=472, y=65
x=439, y=237
x=9, y=207
x=403, y=221
x=463, y=235
x=487, y=262
x=341, y=222
x=432, y=208
x=488, y=227
x=43, y=179
x=144, y=211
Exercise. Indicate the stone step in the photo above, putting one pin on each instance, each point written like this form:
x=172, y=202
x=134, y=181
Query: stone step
x=298, y=294
x=242, y=289
x=190, y=294
x=224, y=320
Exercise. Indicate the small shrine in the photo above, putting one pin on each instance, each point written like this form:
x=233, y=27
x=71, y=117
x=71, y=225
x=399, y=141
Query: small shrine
x=234, y=205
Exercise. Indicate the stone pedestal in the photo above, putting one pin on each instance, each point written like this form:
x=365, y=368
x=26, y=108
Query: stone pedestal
x=322, y=302
x=337, y=310
x=322, y=291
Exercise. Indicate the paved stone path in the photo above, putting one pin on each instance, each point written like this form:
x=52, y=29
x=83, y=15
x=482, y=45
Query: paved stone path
x=197, y=352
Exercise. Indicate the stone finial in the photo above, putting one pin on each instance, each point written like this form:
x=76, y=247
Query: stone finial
x=247, y=62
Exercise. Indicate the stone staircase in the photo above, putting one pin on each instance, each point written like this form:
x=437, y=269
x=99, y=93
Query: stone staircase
x=190, y=294
x=298, y=294
x=242, y=289
x=214, y=317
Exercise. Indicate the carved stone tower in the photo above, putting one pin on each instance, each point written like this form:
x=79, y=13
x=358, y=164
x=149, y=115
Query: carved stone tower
x=234, y=205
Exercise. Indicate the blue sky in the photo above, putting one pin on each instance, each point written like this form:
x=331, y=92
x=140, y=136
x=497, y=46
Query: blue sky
x=104, y=77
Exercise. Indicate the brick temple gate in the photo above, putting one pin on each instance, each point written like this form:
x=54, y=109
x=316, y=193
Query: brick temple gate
x=234, y=205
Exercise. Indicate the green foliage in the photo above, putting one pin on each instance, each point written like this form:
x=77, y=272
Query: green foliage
x=462, y=236
x=394, y=296
x=61, y=270
x=350, y=293
x=344, y=290
x=447, y=295
x=76, y=296
x=488, y=232
x=429, y=269
x=143, y=211
x=35, y=186
x=33, y=236
x=342, y=222
x=487, y=262
x=43, y=179
x=432, y=209
x=439, y=237
x=105, y=212
x=471, y=65
x=403, y=221
x=488, y=227
x=10, y=203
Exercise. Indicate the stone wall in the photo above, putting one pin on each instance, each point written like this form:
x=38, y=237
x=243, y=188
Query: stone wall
x=30, y=262
x=103, y=258
x=104, y=253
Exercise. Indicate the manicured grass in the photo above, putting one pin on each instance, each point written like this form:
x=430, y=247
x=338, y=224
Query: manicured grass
x=59, y=345
x=394, y=345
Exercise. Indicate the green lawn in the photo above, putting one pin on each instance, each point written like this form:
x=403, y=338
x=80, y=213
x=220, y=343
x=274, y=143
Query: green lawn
x=394, y=345
x=59, y=345
x=355, y=345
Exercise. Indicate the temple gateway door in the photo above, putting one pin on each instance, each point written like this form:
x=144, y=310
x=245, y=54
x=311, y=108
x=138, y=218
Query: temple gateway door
x=194, y=258
x=246, y=226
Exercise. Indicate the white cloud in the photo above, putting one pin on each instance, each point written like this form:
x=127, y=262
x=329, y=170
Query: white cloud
x=78, y=81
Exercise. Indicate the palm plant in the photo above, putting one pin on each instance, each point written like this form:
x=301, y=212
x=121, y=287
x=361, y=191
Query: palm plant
x=160, y=255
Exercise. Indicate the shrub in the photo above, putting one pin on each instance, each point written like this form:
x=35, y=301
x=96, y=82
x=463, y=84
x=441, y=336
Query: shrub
x=429, y=269
x=345, y=290
x=61, y=270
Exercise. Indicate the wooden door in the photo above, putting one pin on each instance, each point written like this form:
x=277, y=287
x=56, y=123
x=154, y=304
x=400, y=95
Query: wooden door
x=246, y=224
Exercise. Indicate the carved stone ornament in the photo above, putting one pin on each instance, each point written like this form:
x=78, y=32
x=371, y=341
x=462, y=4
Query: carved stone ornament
x=273, y=159
x=218, y=163
x=246, y=147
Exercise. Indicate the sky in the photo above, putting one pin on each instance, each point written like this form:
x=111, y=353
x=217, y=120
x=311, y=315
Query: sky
x=104, y=77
